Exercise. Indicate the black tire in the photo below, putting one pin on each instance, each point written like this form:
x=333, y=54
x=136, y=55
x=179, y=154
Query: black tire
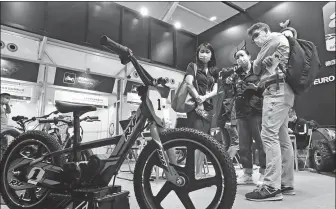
x=26, y=138
x=322, y=157
x=193, y=136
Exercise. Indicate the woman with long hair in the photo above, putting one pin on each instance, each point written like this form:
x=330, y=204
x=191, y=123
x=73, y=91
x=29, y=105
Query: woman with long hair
x=201, y=78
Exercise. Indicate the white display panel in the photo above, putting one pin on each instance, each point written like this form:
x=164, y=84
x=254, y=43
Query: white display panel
x=80, y=98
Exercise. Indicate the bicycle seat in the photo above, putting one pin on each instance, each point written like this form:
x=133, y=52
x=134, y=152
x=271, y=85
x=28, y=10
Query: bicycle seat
x=66, y=107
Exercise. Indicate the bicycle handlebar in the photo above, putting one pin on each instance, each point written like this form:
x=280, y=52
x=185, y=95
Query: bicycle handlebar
x=126, y=55
x=114, y=46
x=55, y=120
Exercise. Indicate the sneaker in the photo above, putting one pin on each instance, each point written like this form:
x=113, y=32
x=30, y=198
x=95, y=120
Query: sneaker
x=245, y=179
x=287, y=190
x=261, y=179
x=264, y=193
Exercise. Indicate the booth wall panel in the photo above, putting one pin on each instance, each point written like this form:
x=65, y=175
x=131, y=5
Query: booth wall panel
x=162, y=44
x=67, y=21
x=186, y=50
x=27, y=48
x=103, y=19
x=28, y=16
x=135, y=30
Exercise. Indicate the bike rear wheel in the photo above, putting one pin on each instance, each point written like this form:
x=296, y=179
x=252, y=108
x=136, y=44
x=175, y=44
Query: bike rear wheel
x=224, y=179
x=29, y=145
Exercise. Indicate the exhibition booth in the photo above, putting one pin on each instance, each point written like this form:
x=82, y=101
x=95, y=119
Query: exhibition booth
x=64, y=51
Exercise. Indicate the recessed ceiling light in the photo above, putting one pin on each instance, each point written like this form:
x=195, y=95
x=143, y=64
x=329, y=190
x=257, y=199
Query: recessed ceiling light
x=144, y=11
x=177, y=25
x=213, y=18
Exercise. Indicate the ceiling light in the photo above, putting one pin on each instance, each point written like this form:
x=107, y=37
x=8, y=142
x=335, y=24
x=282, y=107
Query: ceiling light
x=213, y=18
x=177, y=25
x=144, y=11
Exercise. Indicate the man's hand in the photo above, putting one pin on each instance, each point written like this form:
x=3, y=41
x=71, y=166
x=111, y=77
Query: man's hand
x=290, y=131
x=268, y=61
x=229, y=80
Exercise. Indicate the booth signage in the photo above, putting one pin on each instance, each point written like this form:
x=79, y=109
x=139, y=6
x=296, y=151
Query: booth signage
x=322, y=80
x=81, y=80
x=81, y=98
x=329, y=25
x=19, y=70
x=17, y=90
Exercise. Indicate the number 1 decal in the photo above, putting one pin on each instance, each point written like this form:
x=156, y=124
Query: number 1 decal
x=159, y=104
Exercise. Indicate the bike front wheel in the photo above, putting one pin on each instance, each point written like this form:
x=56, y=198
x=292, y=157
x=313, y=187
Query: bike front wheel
x=207, y=170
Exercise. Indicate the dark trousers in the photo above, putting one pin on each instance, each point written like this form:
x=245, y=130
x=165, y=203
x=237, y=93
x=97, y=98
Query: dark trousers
x=197, y=122
x=231, y=138
x=249, y=128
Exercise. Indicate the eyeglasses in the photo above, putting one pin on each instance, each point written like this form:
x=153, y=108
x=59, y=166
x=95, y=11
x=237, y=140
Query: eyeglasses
x=255, y=35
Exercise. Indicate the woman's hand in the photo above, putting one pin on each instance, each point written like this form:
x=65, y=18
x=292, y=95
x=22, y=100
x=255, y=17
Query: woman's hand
x=201, y=99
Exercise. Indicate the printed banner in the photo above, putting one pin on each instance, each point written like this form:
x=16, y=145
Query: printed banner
x=19, y=70
x=81, y=98
x=17, y=91
x=82, y=80
x=329, y=25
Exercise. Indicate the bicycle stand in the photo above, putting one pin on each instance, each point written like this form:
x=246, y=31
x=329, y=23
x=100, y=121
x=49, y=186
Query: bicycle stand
x=90, y=198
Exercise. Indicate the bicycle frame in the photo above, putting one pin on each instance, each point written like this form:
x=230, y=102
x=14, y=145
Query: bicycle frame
x=123, y=142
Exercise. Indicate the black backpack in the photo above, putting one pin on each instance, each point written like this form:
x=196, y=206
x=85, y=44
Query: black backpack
x=303, y=65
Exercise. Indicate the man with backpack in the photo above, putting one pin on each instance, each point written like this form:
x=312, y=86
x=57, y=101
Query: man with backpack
x=278, y=100
x=287, y=66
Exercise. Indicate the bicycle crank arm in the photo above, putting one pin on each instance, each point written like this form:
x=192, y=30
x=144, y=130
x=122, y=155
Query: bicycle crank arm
x=170, y=171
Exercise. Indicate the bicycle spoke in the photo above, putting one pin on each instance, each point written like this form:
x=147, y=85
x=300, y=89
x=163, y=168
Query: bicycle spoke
x=185, y=199
x=190, y=162
x=203, y=183
x=164, y=191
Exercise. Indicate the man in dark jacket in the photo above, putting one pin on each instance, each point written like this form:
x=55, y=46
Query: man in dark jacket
x=226, y=120
x=248, y=106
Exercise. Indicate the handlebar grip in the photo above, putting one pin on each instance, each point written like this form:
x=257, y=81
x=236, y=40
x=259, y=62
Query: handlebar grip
x=19, y=117
x=93, y=117
x=118, y=48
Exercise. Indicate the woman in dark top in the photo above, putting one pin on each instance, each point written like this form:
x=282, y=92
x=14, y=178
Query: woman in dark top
x=202, y=87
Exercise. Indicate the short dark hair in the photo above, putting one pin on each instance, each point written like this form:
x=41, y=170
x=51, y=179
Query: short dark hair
x=245, y=50
x=258, y=26
x=212, y=62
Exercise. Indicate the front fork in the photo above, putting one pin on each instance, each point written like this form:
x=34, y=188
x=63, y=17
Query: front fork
x=168, y=169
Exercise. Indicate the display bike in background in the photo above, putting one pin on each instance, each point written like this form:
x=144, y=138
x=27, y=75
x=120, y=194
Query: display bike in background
x=47, y=181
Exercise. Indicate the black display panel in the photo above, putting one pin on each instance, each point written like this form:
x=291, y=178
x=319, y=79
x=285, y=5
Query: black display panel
x=162, y=47
x=135, y=30
x=67, y=21
x=186, y=49
x=103, y=19
x=81, y=80
x=19, y=70
x=24, y=15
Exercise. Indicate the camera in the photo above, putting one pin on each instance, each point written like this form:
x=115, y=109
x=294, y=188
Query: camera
x=234, y=73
